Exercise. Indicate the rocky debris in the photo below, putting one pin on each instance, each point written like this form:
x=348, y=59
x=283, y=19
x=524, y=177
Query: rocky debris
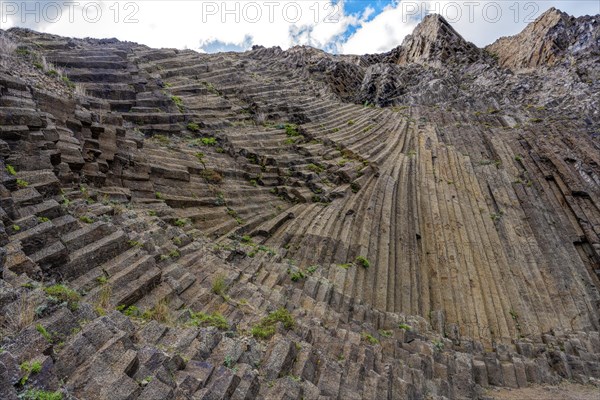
x=178, y=225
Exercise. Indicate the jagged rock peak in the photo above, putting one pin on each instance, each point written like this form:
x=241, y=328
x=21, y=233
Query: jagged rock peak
x=435, y=42
x=542, y=42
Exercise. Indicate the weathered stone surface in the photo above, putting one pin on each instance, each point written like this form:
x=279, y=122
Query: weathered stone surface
x=428, y=217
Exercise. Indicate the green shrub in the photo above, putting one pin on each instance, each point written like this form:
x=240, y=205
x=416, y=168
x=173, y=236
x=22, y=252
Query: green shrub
x=438, y=344
x=369, y=338
x=40, y=328
x=363, y=262
x=41, y=220
x=266, y=327
x=200, y=157
x=351, y=122
x=296, y=276
x=131, y=311
x=311, y=270
x=386, y=333
x=262, y=332
x=162, y=139
x=247, y=239
x=178, y=102
x=63, y=294
x=194, y=127
x=211, y=176
x=68, y=82
x=35, y=394
x=86, y=219
x=29, y=368
x=317, y=169
x=11, y=170
x=180, y=222
x=208, y=141
x=218, y=285
x=291, y=130
x=405, y=327
x=214, y=319
x=22, y=184
x=16, y=228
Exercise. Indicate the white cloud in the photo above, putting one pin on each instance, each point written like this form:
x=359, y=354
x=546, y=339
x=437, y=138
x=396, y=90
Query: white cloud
x=384, y=32
x=193, y=24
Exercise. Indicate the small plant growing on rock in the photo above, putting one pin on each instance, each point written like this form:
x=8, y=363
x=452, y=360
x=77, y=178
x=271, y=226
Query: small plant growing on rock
x=438, y=344
x=404, y=326
x=35, y=394
x=363, y=262
x=215, y=319
x=312, y=269
x=10, y=169
x=162, y=140
x=63, y=294
x=296, y=276
x=291, y=130
x=496, y=216
x=68, y=82
x=317, y=169
x=211, y=176
x=367, y=337
x=193, y=127
x=200, y=157
x=159, y=196
x=16, y=228
x=40, y=328
x=29, y=368
x=86, y=219
x=160, y=312
x=178, y=102
x=180, y=222
x=218, y=285
x=22, y=183
x=208, y=141
x=266, y=327
x=386, y=333
x=228, y=362
x=131, y=311
x=41, y=220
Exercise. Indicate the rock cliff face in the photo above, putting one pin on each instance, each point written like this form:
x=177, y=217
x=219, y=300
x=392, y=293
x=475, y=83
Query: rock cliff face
x=291, y=224
x=553, y=38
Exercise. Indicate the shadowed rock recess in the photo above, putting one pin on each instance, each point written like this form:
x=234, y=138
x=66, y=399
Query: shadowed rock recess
x=420, y=224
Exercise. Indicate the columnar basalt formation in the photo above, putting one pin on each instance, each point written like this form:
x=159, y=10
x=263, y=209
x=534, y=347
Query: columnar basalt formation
x=291, y=224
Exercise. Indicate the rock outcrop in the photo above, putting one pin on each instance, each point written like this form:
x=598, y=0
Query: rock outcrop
x=293, y=224
x=552, y=38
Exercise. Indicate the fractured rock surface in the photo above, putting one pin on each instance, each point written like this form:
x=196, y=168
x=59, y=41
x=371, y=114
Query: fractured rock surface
x=429, y=217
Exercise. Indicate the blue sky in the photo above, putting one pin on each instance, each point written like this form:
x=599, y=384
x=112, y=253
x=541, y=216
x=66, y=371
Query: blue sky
x=339, y=26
